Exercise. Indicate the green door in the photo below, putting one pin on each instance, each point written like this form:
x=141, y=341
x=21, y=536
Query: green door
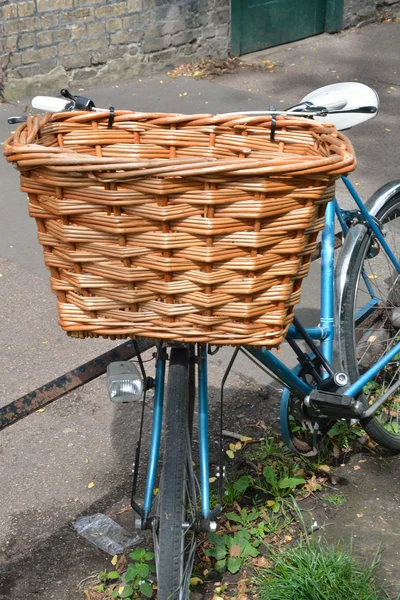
x=259, y=24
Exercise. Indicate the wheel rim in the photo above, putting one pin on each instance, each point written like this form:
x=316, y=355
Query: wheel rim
x=377, y=324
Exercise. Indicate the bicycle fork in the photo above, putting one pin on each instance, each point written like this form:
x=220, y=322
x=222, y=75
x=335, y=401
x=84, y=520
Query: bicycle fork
x=206, y=521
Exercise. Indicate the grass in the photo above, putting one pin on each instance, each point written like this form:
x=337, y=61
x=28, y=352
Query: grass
x=312, y=570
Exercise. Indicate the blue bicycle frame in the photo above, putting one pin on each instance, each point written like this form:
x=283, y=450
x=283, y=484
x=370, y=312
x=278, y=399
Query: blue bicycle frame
x=292, y=382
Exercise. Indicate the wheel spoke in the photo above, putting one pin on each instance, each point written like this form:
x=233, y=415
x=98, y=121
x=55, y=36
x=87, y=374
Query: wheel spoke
x=366, y=341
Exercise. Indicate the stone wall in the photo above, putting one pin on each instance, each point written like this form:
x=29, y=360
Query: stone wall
x=361, y=12
x=49, y=44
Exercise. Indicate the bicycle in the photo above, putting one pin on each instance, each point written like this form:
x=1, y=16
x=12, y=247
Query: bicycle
x=316, y=394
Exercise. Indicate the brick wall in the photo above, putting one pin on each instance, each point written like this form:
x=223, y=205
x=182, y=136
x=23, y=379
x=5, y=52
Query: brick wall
x=48, y=44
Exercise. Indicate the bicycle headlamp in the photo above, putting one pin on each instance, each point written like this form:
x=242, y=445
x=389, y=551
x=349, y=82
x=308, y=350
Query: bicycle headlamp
x=124, y=382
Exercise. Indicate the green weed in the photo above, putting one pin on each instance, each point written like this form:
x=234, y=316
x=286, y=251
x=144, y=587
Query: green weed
x=314, y=571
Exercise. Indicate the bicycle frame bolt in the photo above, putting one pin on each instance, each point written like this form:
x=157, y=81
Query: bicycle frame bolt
x=341, y=379
x=138, y=524
x=213, y=526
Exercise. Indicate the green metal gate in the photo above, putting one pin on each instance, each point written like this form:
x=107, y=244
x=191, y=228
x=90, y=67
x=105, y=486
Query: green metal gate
x=259, y=24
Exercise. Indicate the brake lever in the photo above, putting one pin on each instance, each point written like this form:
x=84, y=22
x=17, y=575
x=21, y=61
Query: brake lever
x=369, y=110
x=79, y=102
x=14, y=120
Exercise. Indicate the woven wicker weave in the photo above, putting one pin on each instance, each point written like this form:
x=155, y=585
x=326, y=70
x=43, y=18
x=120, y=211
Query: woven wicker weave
x=178, y=227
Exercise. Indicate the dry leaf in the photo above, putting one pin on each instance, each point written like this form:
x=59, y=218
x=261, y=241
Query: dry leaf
x=235, y=551
x=270, y=503
x=124, y=509
x=230, y=454
x=91, y=485
x=261, y=562
x=212, y=480
x=359, y=515
x=325, y=468
x=40, y=410
x=122, y=564
x=114, y=560
x=356, y=468
x=195, y=581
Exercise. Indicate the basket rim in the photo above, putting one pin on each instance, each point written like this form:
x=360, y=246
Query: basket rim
x=23, y=149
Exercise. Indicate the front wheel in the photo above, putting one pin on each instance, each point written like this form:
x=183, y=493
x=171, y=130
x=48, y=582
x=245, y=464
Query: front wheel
x=177, y=510
x=370, y=324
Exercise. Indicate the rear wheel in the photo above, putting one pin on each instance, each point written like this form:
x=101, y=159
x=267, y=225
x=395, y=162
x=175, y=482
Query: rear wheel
x=176, y=505
x=370, y=324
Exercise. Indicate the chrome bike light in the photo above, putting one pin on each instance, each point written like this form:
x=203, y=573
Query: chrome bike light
x=124, y=382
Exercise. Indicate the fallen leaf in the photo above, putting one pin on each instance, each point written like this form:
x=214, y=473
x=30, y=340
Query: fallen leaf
x=91, y=485
x=388, y=129
x=270, y=503
x=238, y=446
x=359, y=515
x=122, y=564
x=195, y=581
x=114, y=560
x=261, y=562
x=212, y=480
x=45, y=342
x=40, y=410
x=356, y=468
x=244, y=438
x=325, y=468
x=235, y=551
x=372, y=276
x=288, y=538
x=230, y=454
x=242, y=585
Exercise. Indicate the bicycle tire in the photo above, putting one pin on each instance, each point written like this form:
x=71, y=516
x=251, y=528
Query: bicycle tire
x=176, y=506
x=357, y=341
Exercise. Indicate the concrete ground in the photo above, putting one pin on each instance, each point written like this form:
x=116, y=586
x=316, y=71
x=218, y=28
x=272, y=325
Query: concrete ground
x=49, y=458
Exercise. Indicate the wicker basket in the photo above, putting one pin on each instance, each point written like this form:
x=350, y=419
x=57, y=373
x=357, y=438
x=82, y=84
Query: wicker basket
x=194, y=228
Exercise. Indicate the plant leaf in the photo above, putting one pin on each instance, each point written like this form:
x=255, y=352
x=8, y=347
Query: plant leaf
x=242, y=484
x=233, y=517
x=233, y=564
x=126, y=592
x=146, y=589
x=113, y=575
x=149, y=556
x=270, y=476
x=291, y=482
x=220, y=565
x=138, y=554
x=143, y=570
